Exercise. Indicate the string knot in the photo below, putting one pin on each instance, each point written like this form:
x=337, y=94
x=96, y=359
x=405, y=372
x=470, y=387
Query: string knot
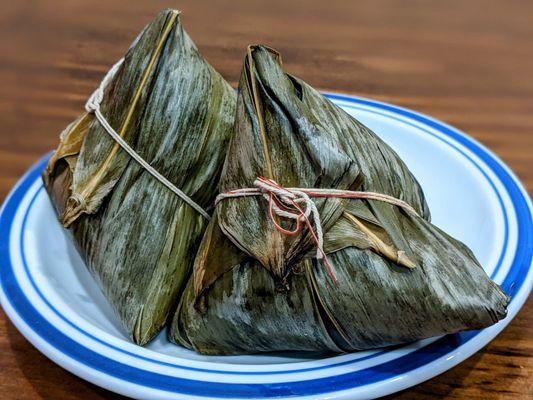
x=93, y=103
x=291, y=204
x=78, y=200
x=296, y=205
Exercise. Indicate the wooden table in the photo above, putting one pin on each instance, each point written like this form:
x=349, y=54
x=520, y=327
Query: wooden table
x=467, y=63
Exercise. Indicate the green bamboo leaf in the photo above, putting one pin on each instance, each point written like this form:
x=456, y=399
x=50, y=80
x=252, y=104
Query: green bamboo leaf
x=138, y=238
x=399, y=278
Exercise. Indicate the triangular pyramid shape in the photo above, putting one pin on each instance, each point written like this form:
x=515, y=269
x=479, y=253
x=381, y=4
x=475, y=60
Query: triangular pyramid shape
x=137, y=237
x=398, y=277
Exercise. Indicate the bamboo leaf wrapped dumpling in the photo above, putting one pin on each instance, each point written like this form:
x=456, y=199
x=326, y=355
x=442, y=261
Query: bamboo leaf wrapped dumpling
x=394, y=276
x=137, y=237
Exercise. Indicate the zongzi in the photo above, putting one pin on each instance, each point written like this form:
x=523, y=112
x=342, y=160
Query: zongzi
x=137, y=237
x=386, y=275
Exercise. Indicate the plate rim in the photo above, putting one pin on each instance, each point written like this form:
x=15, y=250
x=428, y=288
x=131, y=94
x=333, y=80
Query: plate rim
x=439, y=126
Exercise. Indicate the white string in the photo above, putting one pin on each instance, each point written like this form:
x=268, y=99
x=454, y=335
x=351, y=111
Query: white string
x=299, y=197
x=93, y=106
x=303, y=197
x=266, y=187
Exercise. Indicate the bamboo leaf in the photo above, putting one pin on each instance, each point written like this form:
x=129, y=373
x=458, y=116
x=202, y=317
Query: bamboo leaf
x=399, y=278
x=138, y=238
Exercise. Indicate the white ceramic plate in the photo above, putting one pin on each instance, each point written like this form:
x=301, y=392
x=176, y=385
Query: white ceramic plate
x=54, y=302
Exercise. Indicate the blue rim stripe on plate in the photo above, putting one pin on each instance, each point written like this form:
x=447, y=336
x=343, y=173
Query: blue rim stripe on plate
x=520, y=265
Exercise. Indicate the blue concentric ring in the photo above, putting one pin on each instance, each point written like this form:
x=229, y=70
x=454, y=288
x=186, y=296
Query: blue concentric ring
x=511, y=284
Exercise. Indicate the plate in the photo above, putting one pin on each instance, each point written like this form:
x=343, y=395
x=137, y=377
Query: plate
x=51, y=298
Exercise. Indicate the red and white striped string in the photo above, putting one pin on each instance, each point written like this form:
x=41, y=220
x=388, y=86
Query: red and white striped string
x=297, y=204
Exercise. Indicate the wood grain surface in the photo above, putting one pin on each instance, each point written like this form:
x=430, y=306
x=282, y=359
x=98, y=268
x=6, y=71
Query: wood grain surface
x=467, y=63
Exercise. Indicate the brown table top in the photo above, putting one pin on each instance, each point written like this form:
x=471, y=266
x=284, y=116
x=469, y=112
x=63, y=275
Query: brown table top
x=467, y=63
